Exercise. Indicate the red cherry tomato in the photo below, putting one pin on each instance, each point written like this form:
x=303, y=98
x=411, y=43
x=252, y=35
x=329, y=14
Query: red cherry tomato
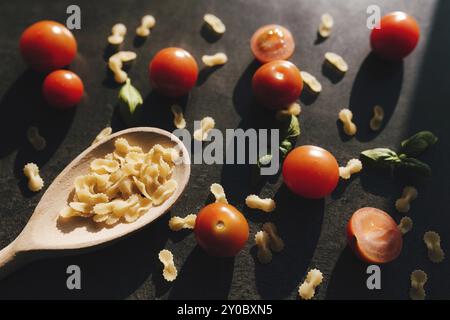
x=221, y=230
x=397, y=37
x=62, y=89
x=272, y=42
x=374, y=236
x=311, y=172
x=173, y=72
x=277, y=84
x=47, y=46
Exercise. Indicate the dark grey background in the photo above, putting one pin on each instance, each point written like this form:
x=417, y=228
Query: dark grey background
x=415, y=95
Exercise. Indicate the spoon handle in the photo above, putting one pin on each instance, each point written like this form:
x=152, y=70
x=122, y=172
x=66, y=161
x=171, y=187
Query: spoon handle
x=10, y=259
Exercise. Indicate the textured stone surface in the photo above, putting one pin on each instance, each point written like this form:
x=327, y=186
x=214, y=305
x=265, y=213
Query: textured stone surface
x=414, y=94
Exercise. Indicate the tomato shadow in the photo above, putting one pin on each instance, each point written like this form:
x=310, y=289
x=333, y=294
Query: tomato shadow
x=112, y=272
x=299, y=222
x=377, y=83
x=205, y=73
x=203, y=277
x=242, y=93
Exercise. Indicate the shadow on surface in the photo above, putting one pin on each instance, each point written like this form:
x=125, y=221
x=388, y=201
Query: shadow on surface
x=242, y=93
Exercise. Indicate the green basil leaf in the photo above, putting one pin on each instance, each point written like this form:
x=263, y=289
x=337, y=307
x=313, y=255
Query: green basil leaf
x=285, y=147
x=413, y=169
x=130, y=96
x=290, y=128
x=380, y=157
x=418, y=143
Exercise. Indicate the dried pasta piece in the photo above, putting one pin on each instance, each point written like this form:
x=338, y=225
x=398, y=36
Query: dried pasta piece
x=405, y=225
x=255, y=202
x=215, y=23
x=346, y=116
x=217, y=59
x=353, y=166
x=35, y=182
x=118, y=32
x=102, y=135
x=218, y=192
x=170, y=271
x=115, y=64
x=326, y=25
x=178, y=117
x=123, y=147
x=307, y=289
x=262, y=241
x=403, y=204
x=147, y=22
x=34, y=137
x=433, y=242
x=164, y=192
x=377, y=119
x=311, y=82
x=276, y=243
x=418, y=280
x=178, y=223
x=337, y=61
x=206, y=124
x=102, y=166
x=294, y=109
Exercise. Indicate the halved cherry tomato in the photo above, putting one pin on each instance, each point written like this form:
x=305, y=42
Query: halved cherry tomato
x=397, y=37
x=277, y=84
x=374, y=236
x=62, y=89
x=47, y=45
x=173, y=72
x=221, y=230
x=311, y=172
x=272, y=42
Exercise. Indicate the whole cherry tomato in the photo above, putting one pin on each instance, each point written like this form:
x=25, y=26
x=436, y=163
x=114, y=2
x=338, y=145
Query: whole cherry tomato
x=374, y=236
x=277, y=84
x=397, y=37
x=47, y=45
x=62, y=89
x=173, y=72
x=221, y=230
x=311, y=172
x=272, y=42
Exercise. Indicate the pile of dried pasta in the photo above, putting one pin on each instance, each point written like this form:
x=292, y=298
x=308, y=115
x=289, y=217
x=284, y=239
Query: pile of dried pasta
x=124, y=184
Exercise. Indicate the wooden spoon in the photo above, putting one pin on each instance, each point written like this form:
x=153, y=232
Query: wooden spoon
x=47, y=234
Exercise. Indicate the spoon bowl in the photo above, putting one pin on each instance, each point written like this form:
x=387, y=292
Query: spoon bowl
x=46, y=233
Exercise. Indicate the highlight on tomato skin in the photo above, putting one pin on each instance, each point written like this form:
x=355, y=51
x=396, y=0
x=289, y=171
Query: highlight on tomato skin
x=272, y=42
x=374, y=236
x=221, y=230
x=397, y=36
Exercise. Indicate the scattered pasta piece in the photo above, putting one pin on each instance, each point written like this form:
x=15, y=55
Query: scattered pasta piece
x=377, y=119
x=403, y=204
x=37, y=141
x=276, y=243
x=178, y=117
x=206, y=124
x=147, y=22
x=35, y=182
x=433, y=242
x=337, y=61
x=118, y=32
x=116, y=62
x=307, y=289
x=294, y=109
x=218, y=192
x=311, y=82
x=124, y=184
x=405, y=225
x=215, y=23
x=102, y=135
x=255, y=202
x=170, y=271
x=418, y=280
x=353, y=166
x=178, y=223
x=326, y=24
x=346, y=116
x=262, y=241
x=217, y=59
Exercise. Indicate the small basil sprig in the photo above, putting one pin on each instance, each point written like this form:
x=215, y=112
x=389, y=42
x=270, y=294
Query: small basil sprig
x=418, y=143
x=130, y=101
x=413, y=169
x=380, y=157
x=290, y=130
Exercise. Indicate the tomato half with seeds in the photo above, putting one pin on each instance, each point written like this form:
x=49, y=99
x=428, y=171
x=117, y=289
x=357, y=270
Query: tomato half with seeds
x=311, y=172
x=272, y=42
x=374, y=236
x=47, y=45
x=277, y=84
x=397, y=37
x=62, y=89
x=221, y=230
